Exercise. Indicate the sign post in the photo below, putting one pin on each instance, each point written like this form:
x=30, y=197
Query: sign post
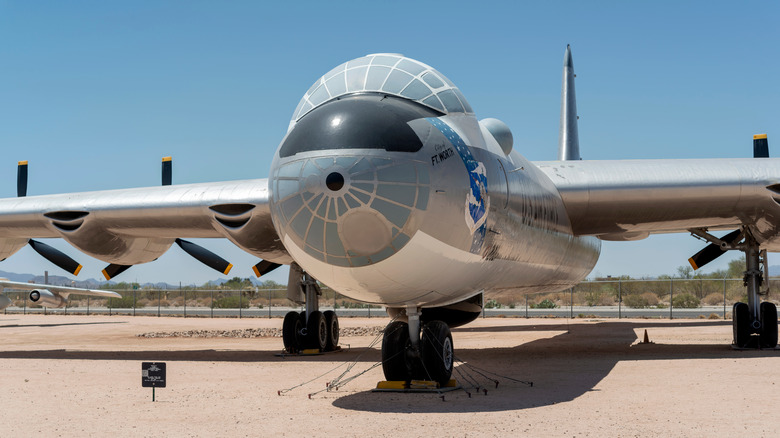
x=153, y=375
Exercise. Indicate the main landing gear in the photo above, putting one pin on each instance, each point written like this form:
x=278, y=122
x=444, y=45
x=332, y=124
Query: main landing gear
x=310, y=329
x=411, y=352
x=754, y=322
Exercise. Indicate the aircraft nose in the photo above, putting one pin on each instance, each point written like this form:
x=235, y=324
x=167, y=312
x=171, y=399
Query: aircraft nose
x=349, y=210
x=335, y=181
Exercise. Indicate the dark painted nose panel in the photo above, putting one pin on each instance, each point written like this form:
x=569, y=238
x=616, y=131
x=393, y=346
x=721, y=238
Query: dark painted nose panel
x=366, y=121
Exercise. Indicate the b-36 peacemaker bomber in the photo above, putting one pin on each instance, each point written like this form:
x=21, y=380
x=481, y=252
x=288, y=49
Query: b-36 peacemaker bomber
x=389, y=189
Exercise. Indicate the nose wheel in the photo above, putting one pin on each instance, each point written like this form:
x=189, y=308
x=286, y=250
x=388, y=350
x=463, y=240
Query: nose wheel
x=432, y=359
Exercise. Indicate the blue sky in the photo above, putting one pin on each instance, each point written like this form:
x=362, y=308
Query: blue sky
x=94, y=93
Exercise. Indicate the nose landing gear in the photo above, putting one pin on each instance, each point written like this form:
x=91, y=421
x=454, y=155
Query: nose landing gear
x=410, y=353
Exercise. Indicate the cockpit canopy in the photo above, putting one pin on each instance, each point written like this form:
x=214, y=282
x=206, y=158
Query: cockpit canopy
x=360, y=121
x=389, y=74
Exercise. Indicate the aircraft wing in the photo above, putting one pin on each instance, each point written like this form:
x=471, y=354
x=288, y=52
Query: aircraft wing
x=59, y=290
x=131, y=226
x=630, y=199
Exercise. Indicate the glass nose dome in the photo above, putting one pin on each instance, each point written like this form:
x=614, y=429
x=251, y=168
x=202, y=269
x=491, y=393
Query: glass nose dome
x=390, y=74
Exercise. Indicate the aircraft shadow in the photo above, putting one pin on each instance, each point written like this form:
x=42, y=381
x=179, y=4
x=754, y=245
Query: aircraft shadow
x=562, y=368
x=203, y=355
x=157, y=355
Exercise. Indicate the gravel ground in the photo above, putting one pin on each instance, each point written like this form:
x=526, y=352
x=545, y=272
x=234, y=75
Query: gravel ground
x=80, y=376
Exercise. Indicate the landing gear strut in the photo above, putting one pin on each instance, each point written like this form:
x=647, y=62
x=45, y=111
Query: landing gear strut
x=755, y=323
x=311, y=329
x=410, y=352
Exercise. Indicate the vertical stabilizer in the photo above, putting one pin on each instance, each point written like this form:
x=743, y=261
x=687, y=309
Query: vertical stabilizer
x=568, y=140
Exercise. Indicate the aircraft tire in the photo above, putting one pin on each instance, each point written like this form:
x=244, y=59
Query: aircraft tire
x=768, y=313
x=332, y=323
x=437, y=352
x=291, y=332
x=395, y=342
x=316, y=331
x=740, y=316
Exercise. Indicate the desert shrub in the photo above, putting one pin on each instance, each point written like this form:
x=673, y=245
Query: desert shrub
x=713, y=299
x=607, y=300
x=636, y=301
x=544, y=304
x=652, y=298
x=231, y=302
x=593, y=297
x=640, y=301
x=714, y=316
x=492, y=304
x=126, y=302
x=686, y=301
x=352, y=305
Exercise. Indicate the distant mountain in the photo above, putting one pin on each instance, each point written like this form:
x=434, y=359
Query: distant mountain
x=16, y=277
x=56, y=280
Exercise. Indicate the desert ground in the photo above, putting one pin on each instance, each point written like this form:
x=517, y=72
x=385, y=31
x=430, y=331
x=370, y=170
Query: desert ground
x=65, y=375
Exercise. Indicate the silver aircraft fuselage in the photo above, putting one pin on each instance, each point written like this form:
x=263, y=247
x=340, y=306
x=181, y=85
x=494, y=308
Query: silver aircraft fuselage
x=424, y=227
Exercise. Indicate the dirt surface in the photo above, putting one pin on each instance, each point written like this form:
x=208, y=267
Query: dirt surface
x=81, y=376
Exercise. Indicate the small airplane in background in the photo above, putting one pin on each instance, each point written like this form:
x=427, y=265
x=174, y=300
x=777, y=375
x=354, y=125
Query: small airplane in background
x=47, y=295
x=388, y=189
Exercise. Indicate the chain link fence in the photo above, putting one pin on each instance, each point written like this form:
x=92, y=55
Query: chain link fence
x=665, y=298
x=191, y=302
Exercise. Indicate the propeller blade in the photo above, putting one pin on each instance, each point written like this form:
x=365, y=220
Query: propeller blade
x=713, y=251
x=113, y=270
x=760, y=146
x=167, y=171
x=56, y=256
x=21, y=179
x=205, y=256
x=48, y=252
x=264, y=267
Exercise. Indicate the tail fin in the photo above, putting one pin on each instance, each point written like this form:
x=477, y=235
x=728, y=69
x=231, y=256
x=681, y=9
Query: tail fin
x=568, y=140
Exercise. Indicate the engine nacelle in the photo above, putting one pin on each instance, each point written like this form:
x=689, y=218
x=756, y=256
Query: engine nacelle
x=454, y=315
x=44, y=298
